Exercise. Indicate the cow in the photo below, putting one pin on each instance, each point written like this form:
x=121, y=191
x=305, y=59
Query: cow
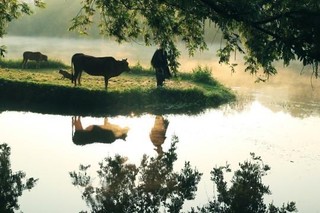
x=106, y=133
x=159, y=62
x=33, y=56
x=65, y=74
x=107, y=67
x=158, y=133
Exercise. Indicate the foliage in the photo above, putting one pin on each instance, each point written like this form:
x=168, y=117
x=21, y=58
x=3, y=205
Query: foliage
x=10, y=10
x=265, y=31
x=203, y=75
x=11, y=184
x=154, y=186
x=124, y=187
x=246, y=192
x=138, y=69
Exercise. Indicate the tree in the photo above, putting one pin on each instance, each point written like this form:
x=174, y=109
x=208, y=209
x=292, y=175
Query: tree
x=246, y=192
x=11, y=184
x=154, y=186
x=13, y=9
x=125, y=187
x=264, y=31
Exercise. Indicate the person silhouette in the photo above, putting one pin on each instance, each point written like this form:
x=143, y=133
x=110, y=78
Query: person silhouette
x=159, y=62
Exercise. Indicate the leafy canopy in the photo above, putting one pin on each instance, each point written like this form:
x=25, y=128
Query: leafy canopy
x=264, y=31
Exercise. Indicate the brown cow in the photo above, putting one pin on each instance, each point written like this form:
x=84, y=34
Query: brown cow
x=106, y=133
x=158, y=133
x=107, y=67
x=33, y=56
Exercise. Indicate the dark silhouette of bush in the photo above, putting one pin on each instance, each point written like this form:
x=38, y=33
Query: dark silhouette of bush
x=12, y=184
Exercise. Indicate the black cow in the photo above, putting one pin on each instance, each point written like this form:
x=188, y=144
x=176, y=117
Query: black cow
x=106, y=133
x=160, y=63
x=107, y=67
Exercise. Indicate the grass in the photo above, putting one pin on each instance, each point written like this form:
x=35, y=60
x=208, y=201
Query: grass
x=16, y=64
x=43, y=90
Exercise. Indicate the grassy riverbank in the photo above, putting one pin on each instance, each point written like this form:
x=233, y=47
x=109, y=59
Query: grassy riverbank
x=43, y=91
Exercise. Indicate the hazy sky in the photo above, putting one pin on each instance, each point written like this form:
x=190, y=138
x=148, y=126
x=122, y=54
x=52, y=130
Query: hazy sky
x=53, y=21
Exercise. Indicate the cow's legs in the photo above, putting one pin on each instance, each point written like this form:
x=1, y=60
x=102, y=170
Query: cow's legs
x=79, y=78
x=24, y=63
x=75, y=76
x=106, y=79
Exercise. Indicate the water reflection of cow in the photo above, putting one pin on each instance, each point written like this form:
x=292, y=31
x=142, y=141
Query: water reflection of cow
x=158, y=133
x=106, y=133
x=33, y=56
x=107, y=67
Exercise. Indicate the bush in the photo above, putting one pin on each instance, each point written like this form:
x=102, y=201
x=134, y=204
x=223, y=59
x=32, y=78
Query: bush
x=246, y=191
x=12, y=184
x=125, y=187
x=202, y=75
x=159, y=186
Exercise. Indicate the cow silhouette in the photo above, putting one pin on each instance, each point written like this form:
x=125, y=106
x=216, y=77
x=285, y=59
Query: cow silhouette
x=33, y=56
x=106, y=133
x=107, y=67
x=158, y=133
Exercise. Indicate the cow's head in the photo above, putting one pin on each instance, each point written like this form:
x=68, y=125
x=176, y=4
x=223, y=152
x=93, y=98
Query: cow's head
x=44, y=57
x=124, y=65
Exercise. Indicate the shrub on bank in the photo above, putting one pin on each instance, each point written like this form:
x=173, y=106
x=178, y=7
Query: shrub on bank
x=203, y=75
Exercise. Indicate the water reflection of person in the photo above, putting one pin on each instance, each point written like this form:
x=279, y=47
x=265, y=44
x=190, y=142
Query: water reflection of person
x=158, y=133
x=106, y=133
x=159, y=62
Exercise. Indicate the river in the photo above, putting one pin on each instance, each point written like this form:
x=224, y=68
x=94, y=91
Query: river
x=278, y=120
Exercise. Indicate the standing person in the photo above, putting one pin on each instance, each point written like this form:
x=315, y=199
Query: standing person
x=159, y=62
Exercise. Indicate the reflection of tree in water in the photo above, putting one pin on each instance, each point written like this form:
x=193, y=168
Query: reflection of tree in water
x=11, y=184
x=155, y=186
x=241, y=104
x=158, y=133
x=296, y=107
x=125, y=187
x=106, y=133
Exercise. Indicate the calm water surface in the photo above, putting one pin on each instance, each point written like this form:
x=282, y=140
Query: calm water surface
x=278, y=120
